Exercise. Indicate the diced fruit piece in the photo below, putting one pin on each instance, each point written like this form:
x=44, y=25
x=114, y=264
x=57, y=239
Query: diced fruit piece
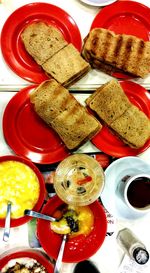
x=84, y=180
x=60, y=227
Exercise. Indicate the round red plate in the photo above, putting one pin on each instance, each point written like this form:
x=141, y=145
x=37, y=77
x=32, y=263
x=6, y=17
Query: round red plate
x=125, y=17
x=22, y=220
x=27, y=134
x=110, y=144
x=78, y=248
x=13, y=49
x=26, y=253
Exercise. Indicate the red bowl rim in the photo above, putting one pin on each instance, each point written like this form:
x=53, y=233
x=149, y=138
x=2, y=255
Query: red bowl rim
x=21, y=252
x=24, y=219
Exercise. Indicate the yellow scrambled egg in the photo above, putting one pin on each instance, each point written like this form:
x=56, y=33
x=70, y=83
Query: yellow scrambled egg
x=19, y=185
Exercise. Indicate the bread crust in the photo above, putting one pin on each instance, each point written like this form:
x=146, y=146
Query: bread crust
x=112, y=106
x=42, y=41
x=66, y=66
x=128, y=53
x=61, y=111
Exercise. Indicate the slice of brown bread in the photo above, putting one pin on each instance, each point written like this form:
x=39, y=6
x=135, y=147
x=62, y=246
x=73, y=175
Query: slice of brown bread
x=109, y=101
x=133, y=127
x=42, y=41
x=75, y=126
x=66, y=66
x=125, y=52
x=50, y=99
x=61, y=111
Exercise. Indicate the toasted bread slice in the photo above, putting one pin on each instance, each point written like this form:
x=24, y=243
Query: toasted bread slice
x=75, y=126
x=61, y=111
x=125, y=52
x=42, y=41
x=109, y=101
x=50, y=99
x=66, y=66
x=133, y=127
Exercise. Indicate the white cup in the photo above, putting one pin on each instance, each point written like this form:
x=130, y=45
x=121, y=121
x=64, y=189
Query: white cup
x=135, y=191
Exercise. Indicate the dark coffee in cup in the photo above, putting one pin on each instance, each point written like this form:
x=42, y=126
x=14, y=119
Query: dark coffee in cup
x=138, y=192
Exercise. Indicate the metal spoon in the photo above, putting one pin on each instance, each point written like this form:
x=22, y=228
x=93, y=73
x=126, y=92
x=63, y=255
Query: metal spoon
x=60, y=255
x=40, y=215
x=7, y=223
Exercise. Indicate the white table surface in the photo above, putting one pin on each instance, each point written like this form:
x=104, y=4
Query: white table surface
x=109, y=255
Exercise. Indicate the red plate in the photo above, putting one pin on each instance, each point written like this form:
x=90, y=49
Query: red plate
x=13, y=49
x=78, y=248
x=27, y=134
x=26, y=253
x=22, y=220
x=111, y=144
x=125, y=17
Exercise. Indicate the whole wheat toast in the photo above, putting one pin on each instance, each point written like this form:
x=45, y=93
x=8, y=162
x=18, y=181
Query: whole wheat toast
x=133, y=127
x=109, y=101
x=127, y=53
x=66, y=66
x=50, y=99
x=113, y=107
x=61, y=111
x=42, y=41
x=75, y=126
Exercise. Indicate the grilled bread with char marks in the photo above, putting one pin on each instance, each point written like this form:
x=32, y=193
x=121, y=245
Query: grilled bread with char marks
x=108, y=51
x=61, y=111
x=50, y=99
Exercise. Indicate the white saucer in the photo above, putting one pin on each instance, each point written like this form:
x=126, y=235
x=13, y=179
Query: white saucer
x=113, y=174
x=98, y=3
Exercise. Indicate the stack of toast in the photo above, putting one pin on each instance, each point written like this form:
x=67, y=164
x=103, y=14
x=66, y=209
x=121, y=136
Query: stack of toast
x=60, y=60
x=114, y=109
x=61, y=111
x=75, y=125
x=111, y=52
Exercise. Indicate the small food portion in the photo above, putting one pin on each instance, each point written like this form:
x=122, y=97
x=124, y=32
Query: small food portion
x=61, y=111
x=18, y=185
x=110, y=52
x=66, y=66
x=24, y=265
x=60, y=60
x=113, y=107
x=79, y=180
x=75, y=221
x=42, y=41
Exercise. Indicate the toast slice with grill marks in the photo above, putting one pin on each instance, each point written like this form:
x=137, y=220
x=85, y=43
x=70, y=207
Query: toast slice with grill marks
x=61, y=111
x=121, y=51
x=75, y=126
x=50, y=99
